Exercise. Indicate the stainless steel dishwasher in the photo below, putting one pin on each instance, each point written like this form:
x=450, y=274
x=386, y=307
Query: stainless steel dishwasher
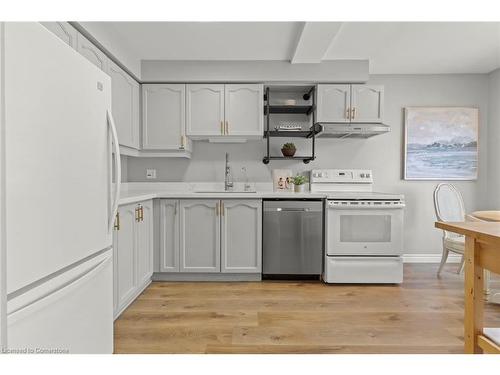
x=292, y=238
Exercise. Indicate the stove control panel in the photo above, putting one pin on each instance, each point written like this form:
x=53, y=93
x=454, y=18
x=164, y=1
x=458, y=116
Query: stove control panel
x=351, y=176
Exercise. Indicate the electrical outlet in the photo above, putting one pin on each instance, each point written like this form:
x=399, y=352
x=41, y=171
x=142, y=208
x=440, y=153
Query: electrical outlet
x=150, y=174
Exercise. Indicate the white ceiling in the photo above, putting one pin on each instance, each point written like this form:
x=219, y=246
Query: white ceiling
x=391, y=48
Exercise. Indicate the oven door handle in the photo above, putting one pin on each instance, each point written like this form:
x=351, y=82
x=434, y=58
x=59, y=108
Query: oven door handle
x=367, y=207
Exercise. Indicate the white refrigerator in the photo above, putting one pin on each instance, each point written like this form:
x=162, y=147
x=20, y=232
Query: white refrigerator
x=59, y=197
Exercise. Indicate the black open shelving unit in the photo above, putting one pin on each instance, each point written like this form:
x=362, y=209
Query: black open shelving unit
x=291, y=109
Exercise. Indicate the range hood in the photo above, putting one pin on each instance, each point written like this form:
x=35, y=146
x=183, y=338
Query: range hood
x=358, y=130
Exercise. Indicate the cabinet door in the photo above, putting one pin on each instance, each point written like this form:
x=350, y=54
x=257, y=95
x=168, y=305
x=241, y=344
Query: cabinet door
x=163, y=121
x=169, y=235
x=367, y=102
x=91, y=52
x=115, y=270
x=125, y=251
x=333, y=102
x=64, y=31
x=241, y=242
x=145, y=244
x=125, y=106
x=199, y=236
x=244, y=114
x=205, y=110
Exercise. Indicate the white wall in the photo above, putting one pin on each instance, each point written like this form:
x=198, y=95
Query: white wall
x=383, y=153
x=494, y=141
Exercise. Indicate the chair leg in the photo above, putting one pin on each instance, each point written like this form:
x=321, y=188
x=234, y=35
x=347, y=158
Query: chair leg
x=461, y=266
x=443, y=260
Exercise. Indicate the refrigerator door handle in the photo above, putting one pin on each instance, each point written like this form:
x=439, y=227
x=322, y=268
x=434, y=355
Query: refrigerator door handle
x=118, y=171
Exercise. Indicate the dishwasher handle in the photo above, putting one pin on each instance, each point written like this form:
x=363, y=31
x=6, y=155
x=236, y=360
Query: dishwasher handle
x=281, y=209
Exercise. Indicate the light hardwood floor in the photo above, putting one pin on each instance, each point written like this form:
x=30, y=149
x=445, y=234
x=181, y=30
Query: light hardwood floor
x=424, y=315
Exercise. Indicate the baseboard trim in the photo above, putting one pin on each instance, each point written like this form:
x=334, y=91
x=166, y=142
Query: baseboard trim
x=164, y=276
x=430, y=258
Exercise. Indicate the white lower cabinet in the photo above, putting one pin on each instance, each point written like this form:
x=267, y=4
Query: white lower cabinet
x=199, y=235
x=133, y=252
x=211, y=236
x=241, y=236
x=169, y=235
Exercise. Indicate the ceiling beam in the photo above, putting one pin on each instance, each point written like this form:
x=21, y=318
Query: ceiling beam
x=314, y=41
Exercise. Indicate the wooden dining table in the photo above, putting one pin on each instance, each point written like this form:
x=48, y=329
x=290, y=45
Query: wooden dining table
x=482, y=252
x=494, y=216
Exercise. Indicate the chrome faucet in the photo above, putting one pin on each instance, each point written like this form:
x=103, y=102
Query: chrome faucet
x=228, y=181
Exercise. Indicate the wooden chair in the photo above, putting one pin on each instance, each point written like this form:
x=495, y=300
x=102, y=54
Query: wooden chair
x=449, y=206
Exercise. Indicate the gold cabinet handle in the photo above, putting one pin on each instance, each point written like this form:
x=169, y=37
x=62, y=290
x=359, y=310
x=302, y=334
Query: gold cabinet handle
x=222, y=208
x=222, y=127
x=137, y=214
x=353, y=113
x=117, y=221
x=141, y=213
x=348, y=113
x=227, y=127
x=183, y=142
x=217, y=209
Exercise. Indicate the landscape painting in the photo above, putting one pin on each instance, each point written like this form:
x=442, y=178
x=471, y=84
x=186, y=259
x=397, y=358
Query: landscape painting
x=441, y=143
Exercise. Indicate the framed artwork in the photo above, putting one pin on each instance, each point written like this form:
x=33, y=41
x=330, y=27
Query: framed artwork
x=441, y=143
x=282, y=180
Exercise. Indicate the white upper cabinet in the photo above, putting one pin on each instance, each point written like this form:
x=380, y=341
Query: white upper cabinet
x=241, y=242
x=224, y=111
x=164, y=117
x=244, y=110
x=199, y=236
x=125, y=106
x=205, y=110
x=91, y=52
x=333, y=102
x=169, y=235
x=350, y=103
x=367, y=103
x=64, y=31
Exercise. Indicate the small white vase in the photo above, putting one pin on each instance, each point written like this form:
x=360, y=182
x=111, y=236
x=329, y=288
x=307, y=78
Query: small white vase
x=299, y=188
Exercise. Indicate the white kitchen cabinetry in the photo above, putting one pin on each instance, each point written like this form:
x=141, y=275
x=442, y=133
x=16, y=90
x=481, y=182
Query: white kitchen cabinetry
x=64, y=31
x=91, y=52
x=243, y=110
x=216, y=111
x=164, y=117
x=125, y=275
x=145, y=243
x=125, y=106
x=211, y=236
x=367, y=103
x=199, y=235
x=205, y=110
x=333, y=103
x=133, y=252
x=241, y=238
x=350, y=103
x=169, y=235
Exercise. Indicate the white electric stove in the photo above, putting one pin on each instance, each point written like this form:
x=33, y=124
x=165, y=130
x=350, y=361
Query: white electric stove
x=363, y=228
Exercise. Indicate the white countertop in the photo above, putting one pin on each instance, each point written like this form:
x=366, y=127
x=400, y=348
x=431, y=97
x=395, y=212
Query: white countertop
x=137, y=192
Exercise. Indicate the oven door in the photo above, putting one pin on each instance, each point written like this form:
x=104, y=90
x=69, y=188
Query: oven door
x=364, y=231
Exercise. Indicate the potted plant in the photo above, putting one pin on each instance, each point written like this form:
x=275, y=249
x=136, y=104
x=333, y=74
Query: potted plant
x=288, y=149
x=299, y=182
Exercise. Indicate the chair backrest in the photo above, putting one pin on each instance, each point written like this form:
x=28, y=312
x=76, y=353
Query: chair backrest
x=448, y=203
